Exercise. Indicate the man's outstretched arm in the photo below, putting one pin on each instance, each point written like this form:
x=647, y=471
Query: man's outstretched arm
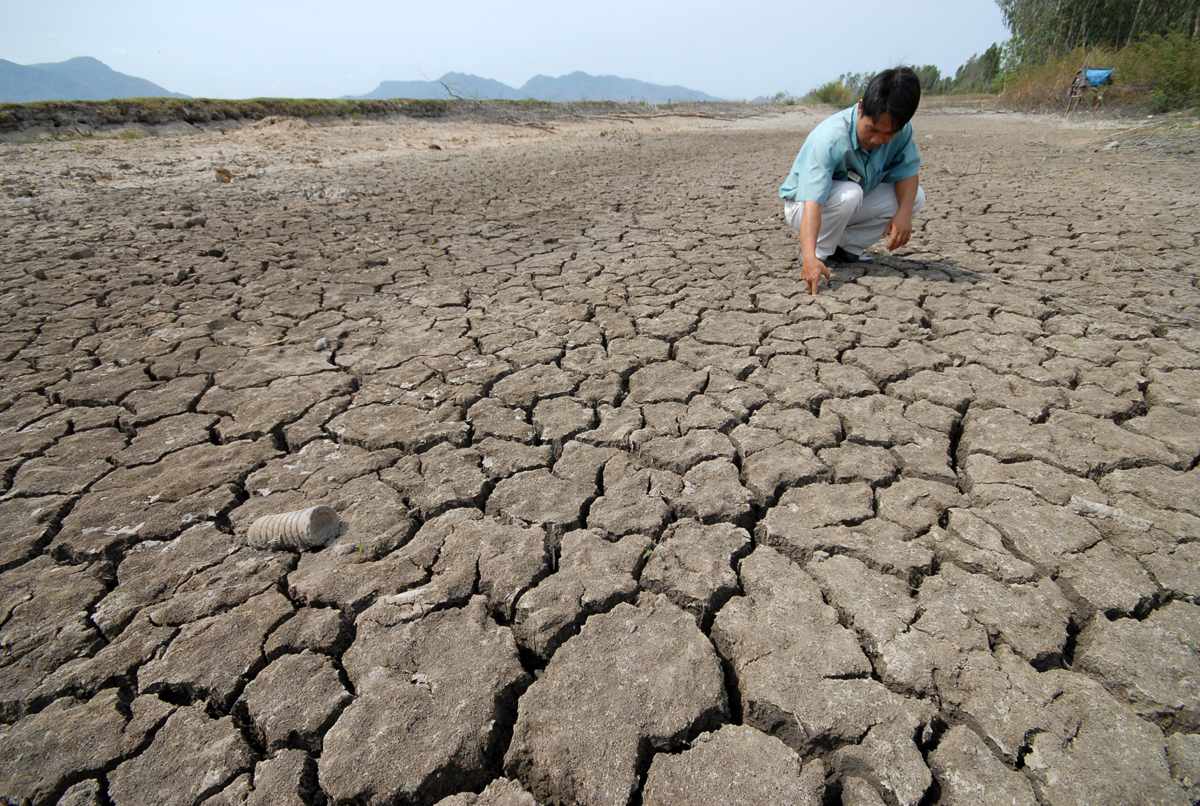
x=900, y=226
x=812, y=269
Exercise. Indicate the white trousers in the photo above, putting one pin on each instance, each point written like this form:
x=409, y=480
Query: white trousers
x=849, y=220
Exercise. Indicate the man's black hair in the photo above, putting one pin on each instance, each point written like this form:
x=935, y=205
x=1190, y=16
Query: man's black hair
x=896, y=92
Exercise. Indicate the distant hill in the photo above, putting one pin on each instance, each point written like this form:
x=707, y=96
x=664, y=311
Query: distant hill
x=79, y=79
x=577, y=86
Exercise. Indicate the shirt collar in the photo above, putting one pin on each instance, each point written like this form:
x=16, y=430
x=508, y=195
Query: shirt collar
x=854, y=128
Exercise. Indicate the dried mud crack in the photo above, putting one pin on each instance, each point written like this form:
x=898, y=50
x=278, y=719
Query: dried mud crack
x=628, y=517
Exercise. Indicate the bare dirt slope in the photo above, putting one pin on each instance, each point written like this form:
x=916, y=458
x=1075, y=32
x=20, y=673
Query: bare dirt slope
x=627, y=516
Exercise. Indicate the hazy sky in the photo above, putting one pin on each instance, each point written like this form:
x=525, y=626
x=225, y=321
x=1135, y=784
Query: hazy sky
x=299, y=48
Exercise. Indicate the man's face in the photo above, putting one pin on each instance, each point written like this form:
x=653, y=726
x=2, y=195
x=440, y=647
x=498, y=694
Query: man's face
x=874, y=132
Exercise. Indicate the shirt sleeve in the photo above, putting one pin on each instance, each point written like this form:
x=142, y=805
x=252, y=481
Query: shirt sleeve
x=905, y=162
x=811, y=178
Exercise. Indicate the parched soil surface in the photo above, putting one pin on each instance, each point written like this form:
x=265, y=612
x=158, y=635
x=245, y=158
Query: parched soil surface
x=626, y=516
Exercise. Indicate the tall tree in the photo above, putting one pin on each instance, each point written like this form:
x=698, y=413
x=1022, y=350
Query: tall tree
x=1042, y=28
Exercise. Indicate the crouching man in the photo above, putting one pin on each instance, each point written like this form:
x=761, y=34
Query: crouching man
x=855, y=179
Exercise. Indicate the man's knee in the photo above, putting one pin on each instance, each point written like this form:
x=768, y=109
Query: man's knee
x=844, y=196
x=919, y=201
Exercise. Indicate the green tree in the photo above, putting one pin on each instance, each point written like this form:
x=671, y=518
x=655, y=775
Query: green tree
x=1044, y=28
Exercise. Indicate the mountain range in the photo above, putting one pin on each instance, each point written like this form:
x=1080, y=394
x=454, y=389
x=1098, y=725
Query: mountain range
x=87, y=79
x=577, y=86
x=79, y=79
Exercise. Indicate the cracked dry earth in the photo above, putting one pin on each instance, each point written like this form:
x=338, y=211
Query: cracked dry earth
x=627, y=517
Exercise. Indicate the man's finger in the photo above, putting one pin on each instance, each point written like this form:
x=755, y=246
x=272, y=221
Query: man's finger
x=812, y=285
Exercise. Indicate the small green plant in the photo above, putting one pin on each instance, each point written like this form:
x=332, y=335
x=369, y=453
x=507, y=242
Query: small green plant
x=650, y=552
x=131, y=134
x=360, y=545
x=433, y=240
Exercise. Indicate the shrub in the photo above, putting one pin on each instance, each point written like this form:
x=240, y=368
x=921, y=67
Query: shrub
x=833, y=93
x=1158, y=73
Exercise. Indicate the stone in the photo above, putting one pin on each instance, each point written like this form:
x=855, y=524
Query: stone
x=432, y=693
x=210, y=657
x=712, y=493
x=593, y=576
x=157, y=501
x=694, y=566
x=1183, y=756
x=103, y=386
x=42, y=753
x=440, y=479
x=503, y=458
x=976, y=546
x=524, y=388
x=45, y=624
x=802, y=676
x=114, y=662
x=289, y=778
x=634, y=500
x=968, y=773
x=890, y=760
x=294, y=700
x=27, y=525
x=71, y=465
x=1073, y=442
x=735, y=765
x=491, y=418
x=668, y=380
x=680, y=454
x=878, y=606
x=537, y=498
x=779, y=467
x=1178, y=431
x=1097, y=751
x=156, y=440
x=251, y=412
x=324, y=630
x=376, y=426
x=192, y=757
x=915, y=504
x=152, y=571
x=500, y=792
x=467, y=552
x=1153, y=664
x=581, y=731
x=853, y=462
x=560, y=419
x=176, y=396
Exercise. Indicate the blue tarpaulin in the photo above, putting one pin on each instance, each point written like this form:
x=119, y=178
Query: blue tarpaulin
x=1098, y=78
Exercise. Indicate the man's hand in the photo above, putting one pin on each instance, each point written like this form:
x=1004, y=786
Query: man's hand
x=900, y=228
x=812, y=271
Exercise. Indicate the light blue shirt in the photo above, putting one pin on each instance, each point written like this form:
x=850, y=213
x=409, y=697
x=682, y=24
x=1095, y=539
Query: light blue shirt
x=831, y=151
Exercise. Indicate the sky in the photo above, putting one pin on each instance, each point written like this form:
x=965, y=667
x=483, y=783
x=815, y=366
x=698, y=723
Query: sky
x=306, y=49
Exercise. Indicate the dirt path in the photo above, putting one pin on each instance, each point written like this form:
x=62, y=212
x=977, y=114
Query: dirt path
x=627, y=516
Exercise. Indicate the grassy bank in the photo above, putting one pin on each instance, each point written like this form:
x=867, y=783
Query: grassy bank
x=1156, y=74
x=200, y=111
